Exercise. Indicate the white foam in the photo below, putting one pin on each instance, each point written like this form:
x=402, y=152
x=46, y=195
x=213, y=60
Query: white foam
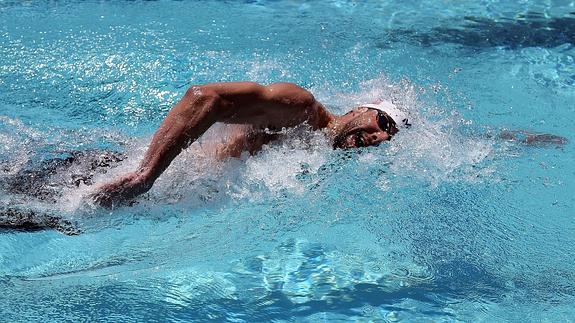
x=273, y=169
x=435, y=149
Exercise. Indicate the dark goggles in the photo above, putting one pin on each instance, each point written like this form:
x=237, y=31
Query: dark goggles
x=385, y=122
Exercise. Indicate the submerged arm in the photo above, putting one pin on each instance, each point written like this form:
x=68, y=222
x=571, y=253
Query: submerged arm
x=533, y=139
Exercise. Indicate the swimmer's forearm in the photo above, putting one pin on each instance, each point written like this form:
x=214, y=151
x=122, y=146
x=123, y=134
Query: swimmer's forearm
x=186, y=122
x=189, y=119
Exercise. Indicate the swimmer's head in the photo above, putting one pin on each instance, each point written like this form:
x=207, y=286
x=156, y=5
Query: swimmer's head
x=368, y=125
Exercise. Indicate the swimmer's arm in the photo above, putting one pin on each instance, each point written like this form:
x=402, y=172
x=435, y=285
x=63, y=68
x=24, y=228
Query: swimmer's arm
x=198, y=110
x=533, y=139
x=193, y=115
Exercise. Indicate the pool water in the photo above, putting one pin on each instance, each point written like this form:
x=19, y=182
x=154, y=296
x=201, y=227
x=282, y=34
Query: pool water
x=447, y=222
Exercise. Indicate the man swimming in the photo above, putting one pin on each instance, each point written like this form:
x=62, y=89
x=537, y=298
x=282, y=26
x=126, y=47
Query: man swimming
x=265, y=109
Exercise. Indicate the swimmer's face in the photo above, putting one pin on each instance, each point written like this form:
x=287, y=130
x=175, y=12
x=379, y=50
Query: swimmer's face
x=362, y=127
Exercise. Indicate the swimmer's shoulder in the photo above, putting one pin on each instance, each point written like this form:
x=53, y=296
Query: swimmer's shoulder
x=245, y=92
x=290, y=92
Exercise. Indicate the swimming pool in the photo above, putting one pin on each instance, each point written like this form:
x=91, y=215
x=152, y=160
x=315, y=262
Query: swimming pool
x=446, y=223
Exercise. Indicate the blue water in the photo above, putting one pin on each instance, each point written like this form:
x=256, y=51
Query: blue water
x=448, y=222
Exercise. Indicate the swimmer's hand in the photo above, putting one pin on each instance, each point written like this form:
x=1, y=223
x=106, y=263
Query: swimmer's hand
x=533, y=139
x=120, y=190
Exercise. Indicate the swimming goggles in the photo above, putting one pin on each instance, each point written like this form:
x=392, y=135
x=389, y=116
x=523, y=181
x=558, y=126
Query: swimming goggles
x=385, y=122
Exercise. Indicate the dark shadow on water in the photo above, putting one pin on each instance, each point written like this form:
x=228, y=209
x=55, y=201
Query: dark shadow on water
x=530, y=30
x=37, y=180
x=43, y=181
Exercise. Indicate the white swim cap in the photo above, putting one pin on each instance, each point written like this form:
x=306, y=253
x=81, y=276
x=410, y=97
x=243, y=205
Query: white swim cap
x=399, y=116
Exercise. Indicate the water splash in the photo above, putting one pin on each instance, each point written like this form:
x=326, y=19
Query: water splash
x=436, y=149
x=440, y=146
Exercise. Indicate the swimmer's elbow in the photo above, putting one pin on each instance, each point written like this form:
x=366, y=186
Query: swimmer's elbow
x=200, y=93
x=201, y=100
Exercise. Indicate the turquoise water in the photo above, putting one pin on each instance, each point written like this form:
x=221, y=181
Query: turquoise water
x=447, y=222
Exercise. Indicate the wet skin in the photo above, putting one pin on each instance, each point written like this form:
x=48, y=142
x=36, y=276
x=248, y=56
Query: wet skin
x=360, y=128
x=276, y=106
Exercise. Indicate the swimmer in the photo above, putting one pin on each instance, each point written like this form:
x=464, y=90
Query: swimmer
x=265, y=109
